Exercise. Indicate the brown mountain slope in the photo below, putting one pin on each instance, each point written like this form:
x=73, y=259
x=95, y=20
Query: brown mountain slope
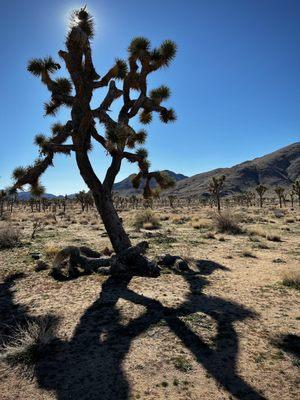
x=282, y=167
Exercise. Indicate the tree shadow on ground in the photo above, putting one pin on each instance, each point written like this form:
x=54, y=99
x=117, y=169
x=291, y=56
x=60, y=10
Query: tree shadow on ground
x=12, y=314
x=89, y=366
x=290, y=344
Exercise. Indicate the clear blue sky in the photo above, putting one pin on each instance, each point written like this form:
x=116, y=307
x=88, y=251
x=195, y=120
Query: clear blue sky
x=235, y=82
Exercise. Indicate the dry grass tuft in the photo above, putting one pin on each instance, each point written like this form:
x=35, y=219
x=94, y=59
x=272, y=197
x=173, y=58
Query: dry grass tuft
x=145, y=219
x=51, y=250
x=9, y=237
x=291, y=279
x=29, y=343
x=273, y=237
x=227, y=223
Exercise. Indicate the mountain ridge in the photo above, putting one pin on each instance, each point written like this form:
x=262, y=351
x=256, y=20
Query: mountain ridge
x=280, y=167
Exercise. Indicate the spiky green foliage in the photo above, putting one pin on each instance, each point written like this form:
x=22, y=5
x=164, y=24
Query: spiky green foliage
x=136, y=180
x=167, y=52
x=136, y=138
x=138, y=46
x=167, y=116
x=164, y=180
x=142, y=153
x=37, y=190
x=145, y=117
x=83, y=20
x=63, y=86
x=141, y=136
x=145, y=165
x=57, y=128
x=121, y=69
x=51, y=108
x=40, y=140
x=18, y=173
x=160, y=94
x=112, y=135
x=37, y=66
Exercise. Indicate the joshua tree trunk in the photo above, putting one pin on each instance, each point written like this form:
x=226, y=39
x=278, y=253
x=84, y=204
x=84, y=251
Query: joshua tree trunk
x=218, y=203
x=104, y=204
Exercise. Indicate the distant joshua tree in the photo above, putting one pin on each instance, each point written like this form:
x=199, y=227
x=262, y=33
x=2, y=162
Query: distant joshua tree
x=261, y=190
x=2, y=198
x=296, y=189
x=281, y=195
x=215, y=187
x=292, y=195
x=119, y=135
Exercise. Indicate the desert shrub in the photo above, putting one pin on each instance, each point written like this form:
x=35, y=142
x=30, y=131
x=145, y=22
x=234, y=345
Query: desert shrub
x=290, y=220
x=28, y=343
x=51, y=250
x=182, y=364
x=209, y=235
x=200, y=224
x=145, y=219
x=248, y=253
x=179, y=220
x=9, y=237
x=227, y=223
x=291, y=279
x=273, y=237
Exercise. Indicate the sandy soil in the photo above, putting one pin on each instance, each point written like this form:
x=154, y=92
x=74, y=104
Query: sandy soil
x=228, y=330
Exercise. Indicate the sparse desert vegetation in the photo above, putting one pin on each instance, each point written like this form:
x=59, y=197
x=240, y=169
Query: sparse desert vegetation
x=176, y=335
x=160, y=286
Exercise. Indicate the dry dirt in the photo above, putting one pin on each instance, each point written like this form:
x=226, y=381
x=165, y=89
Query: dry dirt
x=222, y=332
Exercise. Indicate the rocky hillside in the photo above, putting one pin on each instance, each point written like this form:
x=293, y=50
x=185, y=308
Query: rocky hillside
x=282, y=167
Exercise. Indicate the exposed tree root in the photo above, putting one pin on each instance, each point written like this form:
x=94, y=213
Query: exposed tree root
x=130, y=262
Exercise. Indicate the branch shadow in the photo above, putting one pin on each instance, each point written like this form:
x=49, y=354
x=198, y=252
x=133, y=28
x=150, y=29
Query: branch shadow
x=89, y=365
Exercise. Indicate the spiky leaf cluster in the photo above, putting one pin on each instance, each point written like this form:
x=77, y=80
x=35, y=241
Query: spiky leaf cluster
x=138, y=46
x=57, y=128
x=63, y=86
x=121, y=69
x=145, y=117
x=40, y=140
x=37, y=190
x=136, y=138
x=142, y=153
x=160, y=94
x=83, y=20
x=167, y=116
x=136, y=180
x=37, y=66
x=164, y=180
x=18, y=173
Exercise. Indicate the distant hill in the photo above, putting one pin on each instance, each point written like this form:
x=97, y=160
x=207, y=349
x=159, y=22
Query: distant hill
x=282, y=167
x=25, y=196
x=125, y=186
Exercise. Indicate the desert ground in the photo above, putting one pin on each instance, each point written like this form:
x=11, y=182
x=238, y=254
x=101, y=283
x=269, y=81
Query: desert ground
x=228, y=328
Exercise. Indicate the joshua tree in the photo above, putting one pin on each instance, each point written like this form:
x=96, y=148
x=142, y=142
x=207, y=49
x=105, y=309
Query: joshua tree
x=119, y=137
x=2, y=198
x=215, y=187
x=292, y=195
x=296, y=189
x=280, y=193
x=261, y=190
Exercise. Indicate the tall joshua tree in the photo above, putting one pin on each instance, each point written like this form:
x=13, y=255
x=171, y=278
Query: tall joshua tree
x=261, y=190
x=296, y=189
x=215, y=187
x=280, y=193
x=119, y=140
